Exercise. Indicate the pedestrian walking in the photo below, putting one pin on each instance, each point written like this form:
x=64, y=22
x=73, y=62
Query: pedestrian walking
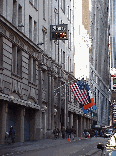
x=12, y=134
x=55, y=133
x=63, y=132
x=73, y=131
x=96, y=133
x=67, y=132
x=58, y=132
x=91, y=133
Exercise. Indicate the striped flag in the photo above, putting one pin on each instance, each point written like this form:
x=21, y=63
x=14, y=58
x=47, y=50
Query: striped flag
x=83, y=95
x=80, y=90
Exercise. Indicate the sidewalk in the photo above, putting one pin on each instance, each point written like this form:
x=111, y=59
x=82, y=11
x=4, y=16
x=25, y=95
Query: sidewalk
x=32, y=145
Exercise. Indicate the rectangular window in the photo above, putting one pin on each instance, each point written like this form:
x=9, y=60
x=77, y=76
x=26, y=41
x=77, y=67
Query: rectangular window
x=70, y=15
x=35, y=31
x=19, y=17
x=68, y=12
x=43, y=9
x=68, y=39
x=55, y=12
x=34, y=71
x=29, y=66
x=14, y=16
x=63, y=6
x=19, y=62
x=44, y=37
x=14, y=58
x=30, y=27
x=35, y=4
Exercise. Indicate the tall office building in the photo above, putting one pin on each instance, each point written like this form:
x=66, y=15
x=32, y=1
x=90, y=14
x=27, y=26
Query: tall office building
x=112, y=21
x=36, y=71
x=112, y=50
x=99, y=59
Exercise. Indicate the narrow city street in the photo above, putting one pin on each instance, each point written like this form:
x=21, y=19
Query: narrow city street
x=59, y=147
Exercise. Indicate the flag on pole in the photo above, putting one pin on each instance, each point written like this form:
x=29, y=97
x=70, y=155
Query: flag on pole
x=80, y=90
x=83, y=95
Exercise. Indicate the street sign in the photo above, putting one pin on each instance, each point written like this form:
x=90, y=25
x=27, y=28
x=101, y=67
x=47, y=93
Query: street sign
x=59, y=32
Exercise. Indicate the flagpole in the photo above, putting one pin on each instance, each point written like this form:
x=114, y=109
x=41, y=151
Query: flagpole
x=65, y=84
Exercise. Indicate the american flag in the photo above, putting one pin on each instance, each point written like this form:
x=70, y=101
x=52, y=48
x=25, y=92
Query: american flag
x=80, y=90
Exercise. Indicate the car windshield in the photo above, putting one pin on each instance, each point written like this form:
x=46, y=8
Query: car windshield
x=108, y=131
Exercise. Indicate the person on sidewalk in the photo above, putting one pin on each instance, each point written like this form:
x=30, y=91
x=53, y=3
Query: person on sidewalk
x=63, y=132
x=67, y=132
x=58, y=132
x=55, y=133
x=73, y=132
x=12, y=134
x=96, y=133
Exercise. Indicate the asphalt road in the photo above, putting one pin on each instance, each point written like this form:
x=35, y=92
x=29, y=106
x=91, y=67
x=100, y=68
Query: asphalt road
x=86, y=147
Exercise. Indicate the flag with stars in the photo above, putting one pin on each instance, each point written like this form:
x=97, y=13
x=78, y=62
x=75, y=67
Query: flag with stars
x=80, y=90
x=83, y=95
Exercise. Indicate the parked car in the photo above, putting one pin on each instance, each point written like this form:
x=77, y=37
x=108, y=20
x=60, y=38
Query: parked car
x=108, y=133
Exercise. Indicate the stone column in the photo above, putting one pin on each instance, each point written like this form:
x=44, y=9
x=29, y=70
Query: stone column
x=81, y=126
x=43, y=123
x=38, y=125
x=52, y=102
x=38, y=114
x=32, y=125
x=22, y=124
x=3, y=115
x=71, y=120
x=98, y=107
x=88, y=127
x=84, y=120
x=108, y=107
x=76, y=124
x=67, y=104
x=59, y=103
x=49, y=99
x=66, y=108
x=19, y=124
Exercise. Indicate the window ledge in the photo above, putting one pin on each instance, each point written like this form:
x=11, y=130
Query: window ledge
x=1, y=68
x=32, y=83
x=17, y=76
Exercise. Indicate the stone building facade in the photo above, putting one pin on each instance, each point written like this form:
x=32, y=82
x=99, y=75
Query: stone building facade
x=99, y=60
x=36, y=73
